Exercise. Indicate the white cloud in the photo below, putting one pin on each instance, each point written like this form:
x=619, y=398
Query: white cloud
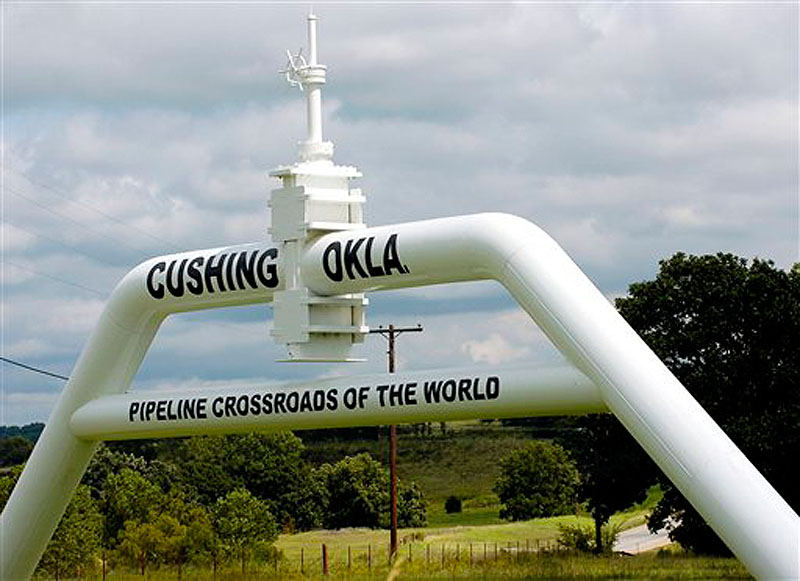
x=626, y=131
x=493, y=350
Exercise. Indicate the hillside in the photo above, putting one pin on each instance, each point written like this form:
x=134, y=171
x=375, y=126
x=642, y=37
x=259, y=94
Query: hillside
x=461, y=461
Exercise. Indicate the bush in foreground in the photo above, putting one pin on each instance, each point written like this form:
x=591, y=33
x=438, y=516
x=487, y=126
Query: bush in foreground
x=582, y=538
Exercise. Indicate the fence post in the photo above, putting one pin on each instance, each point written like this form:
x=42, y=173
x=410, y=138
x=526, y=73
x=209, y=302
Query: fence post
x=302, y=559
x=409, y=552
x=470, y=554
x=495, y=551
x=324, y=559
x=517, y=551
x=369, y=555
x=349, y=558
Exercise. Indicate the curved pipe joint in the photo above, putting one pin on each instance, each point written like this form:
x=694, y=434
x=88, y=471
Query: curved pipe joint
x=726, y=489
x=143, y=298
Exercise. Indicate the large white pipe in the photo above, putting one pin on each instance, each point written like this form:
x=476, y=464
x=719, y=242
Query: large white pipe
x=442, y=395
x=181, y=282
x=720, y=482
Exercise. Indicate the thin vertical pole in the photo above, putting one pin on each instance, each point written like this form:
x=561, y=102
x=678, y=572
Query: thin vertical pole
x=392, y=460
x=324, y=559
x=349, y=558
x=391, y=334
x=302, y=559
x=369, y=555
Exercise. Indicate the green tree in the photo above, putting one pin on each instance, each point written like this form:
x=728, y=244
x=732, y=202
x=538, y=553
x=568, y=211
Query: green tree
x=411, y=509
x=202, y=544
x=242, y=522
x=75, y=542
x=196, y=541
x=106, y=462
x=358, y=492
x=358, y=495
x=614, y=470
x=141, y=543
x=77, y=536
x=537, y=480
x=8, y=480
x=14, y=450
x=730, y=332
x=127, y=496
x=270, y=466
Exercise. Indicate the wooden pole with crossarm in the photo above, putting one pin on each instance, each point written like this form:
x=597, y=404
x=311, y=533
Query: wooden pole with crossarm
x=390, y=334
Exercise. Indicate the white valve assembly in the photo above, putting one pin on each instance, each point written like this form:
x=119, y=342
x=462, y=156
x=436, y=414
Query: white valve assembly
x=316, y=198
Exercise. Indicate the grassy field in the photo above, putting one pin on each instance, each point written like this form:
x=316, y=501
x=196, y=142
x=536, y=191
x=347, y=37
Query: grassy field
x=510, y=551
x=506, y=565
x=537, y=533
x=462, y=462
x=473, y=544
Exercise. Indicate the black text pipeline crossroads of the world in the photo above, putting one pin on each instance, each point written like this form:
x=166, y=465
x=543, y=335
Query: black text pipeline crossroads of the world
x=296, y=401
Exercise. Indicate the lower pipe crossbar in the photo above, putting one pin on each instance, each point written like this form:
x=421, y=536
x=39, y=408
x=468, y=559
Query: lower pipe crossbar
x=441, y=395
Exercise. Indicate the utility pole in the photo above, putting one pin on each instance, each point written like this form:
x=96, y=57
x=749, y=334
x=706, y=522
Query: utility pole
x=390, y=334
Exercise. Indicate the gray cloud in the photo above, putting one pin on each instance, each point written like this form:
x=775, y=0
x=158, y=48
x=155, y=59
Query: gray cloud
x=628, y=132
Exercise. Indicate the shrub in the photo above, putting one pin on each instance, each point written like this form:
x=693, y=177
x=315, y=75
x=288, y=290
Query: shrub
x=452, y=504
x=538, y=480
x=582, y=538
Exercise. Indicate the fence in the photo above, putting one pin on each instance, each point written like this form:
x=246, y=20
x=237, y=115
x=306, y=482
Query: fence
x=325, y=560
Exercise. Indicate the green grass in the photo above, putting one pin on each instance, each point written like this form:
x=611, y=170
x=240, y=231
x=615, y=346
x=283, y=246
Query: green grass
x=568, y=566
x=429, y=564
x=463, y=463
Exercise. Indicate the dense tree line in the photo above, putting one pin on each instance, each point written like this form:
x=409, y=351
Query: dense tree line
x=211, y=500
x=29, y=431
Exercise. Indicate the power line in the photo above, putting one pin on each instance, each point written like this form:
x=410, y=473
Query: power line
x=76, y=222
x=34, y=369
x=65, y=245
x=66, y=197
x=55, y=278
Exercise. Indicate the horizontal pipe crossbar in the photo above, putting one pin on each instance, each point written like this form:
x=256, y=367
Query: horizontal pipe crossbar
x=441, y=395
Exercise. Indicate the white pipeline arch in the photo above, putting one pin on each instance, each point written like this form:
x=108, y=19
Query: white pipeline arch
x=741, y=506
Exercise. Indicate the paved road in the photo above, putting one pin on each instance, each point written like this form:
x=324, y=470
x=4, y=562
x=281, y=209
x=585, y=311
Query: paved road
x=640, y=539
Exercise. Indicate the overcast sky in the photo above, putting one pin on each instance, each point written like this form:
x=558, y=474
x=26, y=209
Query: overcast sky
x=627, y=131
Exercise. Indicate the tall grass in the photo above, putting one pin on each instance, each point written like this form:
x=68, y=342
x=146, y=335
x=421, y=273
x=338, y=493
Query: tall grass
x=507, y=565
